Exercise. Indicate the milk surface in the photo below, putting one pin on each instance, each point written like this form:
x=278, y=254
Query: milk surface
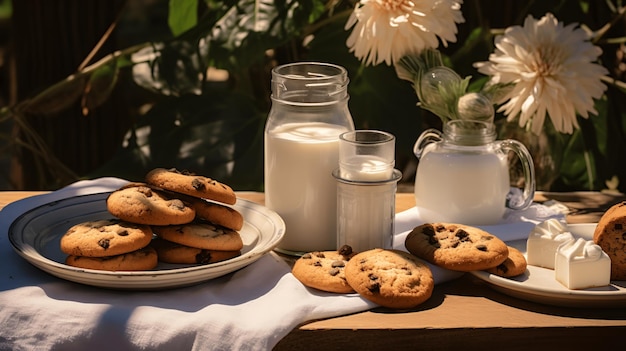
x=462, y=187
x=299, y=186
x=366, y=168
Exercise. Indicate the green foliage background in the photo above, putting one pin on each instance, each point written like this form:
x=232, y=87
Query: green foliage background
x=216, y=127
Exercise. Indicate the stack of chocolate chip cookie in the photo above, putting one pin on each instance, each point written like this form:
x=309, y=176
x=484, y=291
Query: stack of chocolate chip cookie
x=212, y=235
x=109, y=244
x=188, y=213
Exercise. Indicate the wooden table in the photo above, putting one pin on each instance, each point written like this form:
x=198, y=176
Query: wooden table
x=465, y=313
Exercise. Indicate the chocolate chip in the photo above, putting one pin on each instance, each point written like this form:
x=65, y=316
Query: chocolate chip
x=429, y=230
x=345, y=250
x=333, y=271
x=177, y=204
x=197, y=184
x=373, y=276
x=462, y=235
x=104, y=243
x=503, y=268
x=433, y=241
x=374, y=287
x=147, y=192
x=204, y=257
x=317, y=264
x=122, y=232
x=337, y=264
x=307, y=256
x=320, y=255
x=482, y=247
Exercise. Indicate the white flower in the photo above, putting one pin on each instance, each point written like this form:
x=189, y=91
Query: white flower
x=386, y=30
x=552, y=69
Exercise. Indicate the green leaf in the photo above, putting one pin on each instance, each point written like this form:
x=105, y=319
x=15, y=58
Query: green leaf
x=182, y=16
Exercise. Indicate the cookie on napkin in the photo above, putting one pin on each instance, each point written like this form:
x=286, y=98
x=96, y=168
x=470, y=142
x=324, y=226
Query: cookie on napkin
x=456, y=247
x=390, y=278
x=324, y=270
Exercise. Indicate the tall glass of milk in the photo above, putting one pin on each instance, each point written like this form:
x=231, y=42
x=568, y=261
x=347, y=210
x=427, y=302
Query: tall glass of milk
x=463, y=174
x=309, y=111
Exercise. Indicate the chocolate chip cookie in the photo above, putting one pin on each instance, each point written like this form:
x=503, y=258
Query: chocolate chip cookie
x=514, y=265
x=140, y=203
x=213, y=212
x=202, y=235
x=170, y=252
x=139, y=260
x=107, y=237
x=390, y=278
x=191, y=184
x=610, y=235
x=324, y=270
x=456, y=247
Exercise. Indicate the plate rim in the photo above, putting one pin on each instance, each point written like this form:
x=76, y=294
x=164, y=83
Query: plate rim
x=133, y=277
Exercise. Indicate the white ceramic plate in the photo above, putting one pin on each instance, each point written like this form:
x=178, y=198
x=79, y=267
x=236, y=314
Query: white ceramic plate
x=35, y=236
x=539, y=285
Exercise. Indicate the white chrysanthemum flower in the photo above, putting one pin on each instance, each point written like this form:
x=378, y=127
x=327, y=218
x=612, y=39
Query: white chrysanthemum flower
x=552, y=69
x=386, y=30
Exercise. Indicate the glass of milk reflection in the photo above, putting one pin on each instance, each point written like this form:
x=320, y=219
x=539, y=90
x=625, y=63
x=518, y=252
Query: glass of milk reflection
x=366, y=189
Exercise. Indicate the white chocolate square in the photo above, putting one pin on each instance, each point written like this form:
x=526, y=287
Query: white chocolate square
x=543, y=242
x=581, y=264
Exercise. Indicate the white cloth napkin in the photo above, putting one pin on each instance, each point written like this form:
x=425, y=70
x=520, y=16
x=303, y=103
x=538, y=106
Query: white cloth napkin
x=252, y=308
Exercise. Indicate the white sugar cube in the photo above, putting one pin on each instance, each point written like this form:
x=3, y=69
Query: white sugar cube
x=581, y=264
x=543, y=241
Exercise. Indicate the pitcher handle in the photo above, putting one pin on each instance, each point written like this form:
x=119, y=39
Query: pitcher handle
x=529, y=173
x=429, y=136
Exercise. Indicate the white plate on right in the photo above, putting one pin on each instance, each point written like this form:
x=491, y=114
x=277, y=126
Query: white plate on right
x=538, y=284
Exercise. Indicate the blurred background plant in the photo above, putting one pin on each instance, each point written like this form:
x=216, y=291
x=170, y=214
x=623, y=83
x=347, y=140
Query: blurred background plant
x=115, y=88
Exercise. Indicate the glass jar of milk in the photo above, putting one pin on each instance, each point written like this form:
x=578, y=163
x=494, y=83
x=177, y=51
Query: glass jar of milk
x=309, y=111
x=463, y=174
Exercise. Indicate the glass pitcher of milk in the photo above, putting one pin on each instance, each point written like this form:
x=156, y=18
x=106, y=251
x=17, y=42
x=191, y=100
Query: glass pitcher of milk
x=463, y=174
x=309, y=111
